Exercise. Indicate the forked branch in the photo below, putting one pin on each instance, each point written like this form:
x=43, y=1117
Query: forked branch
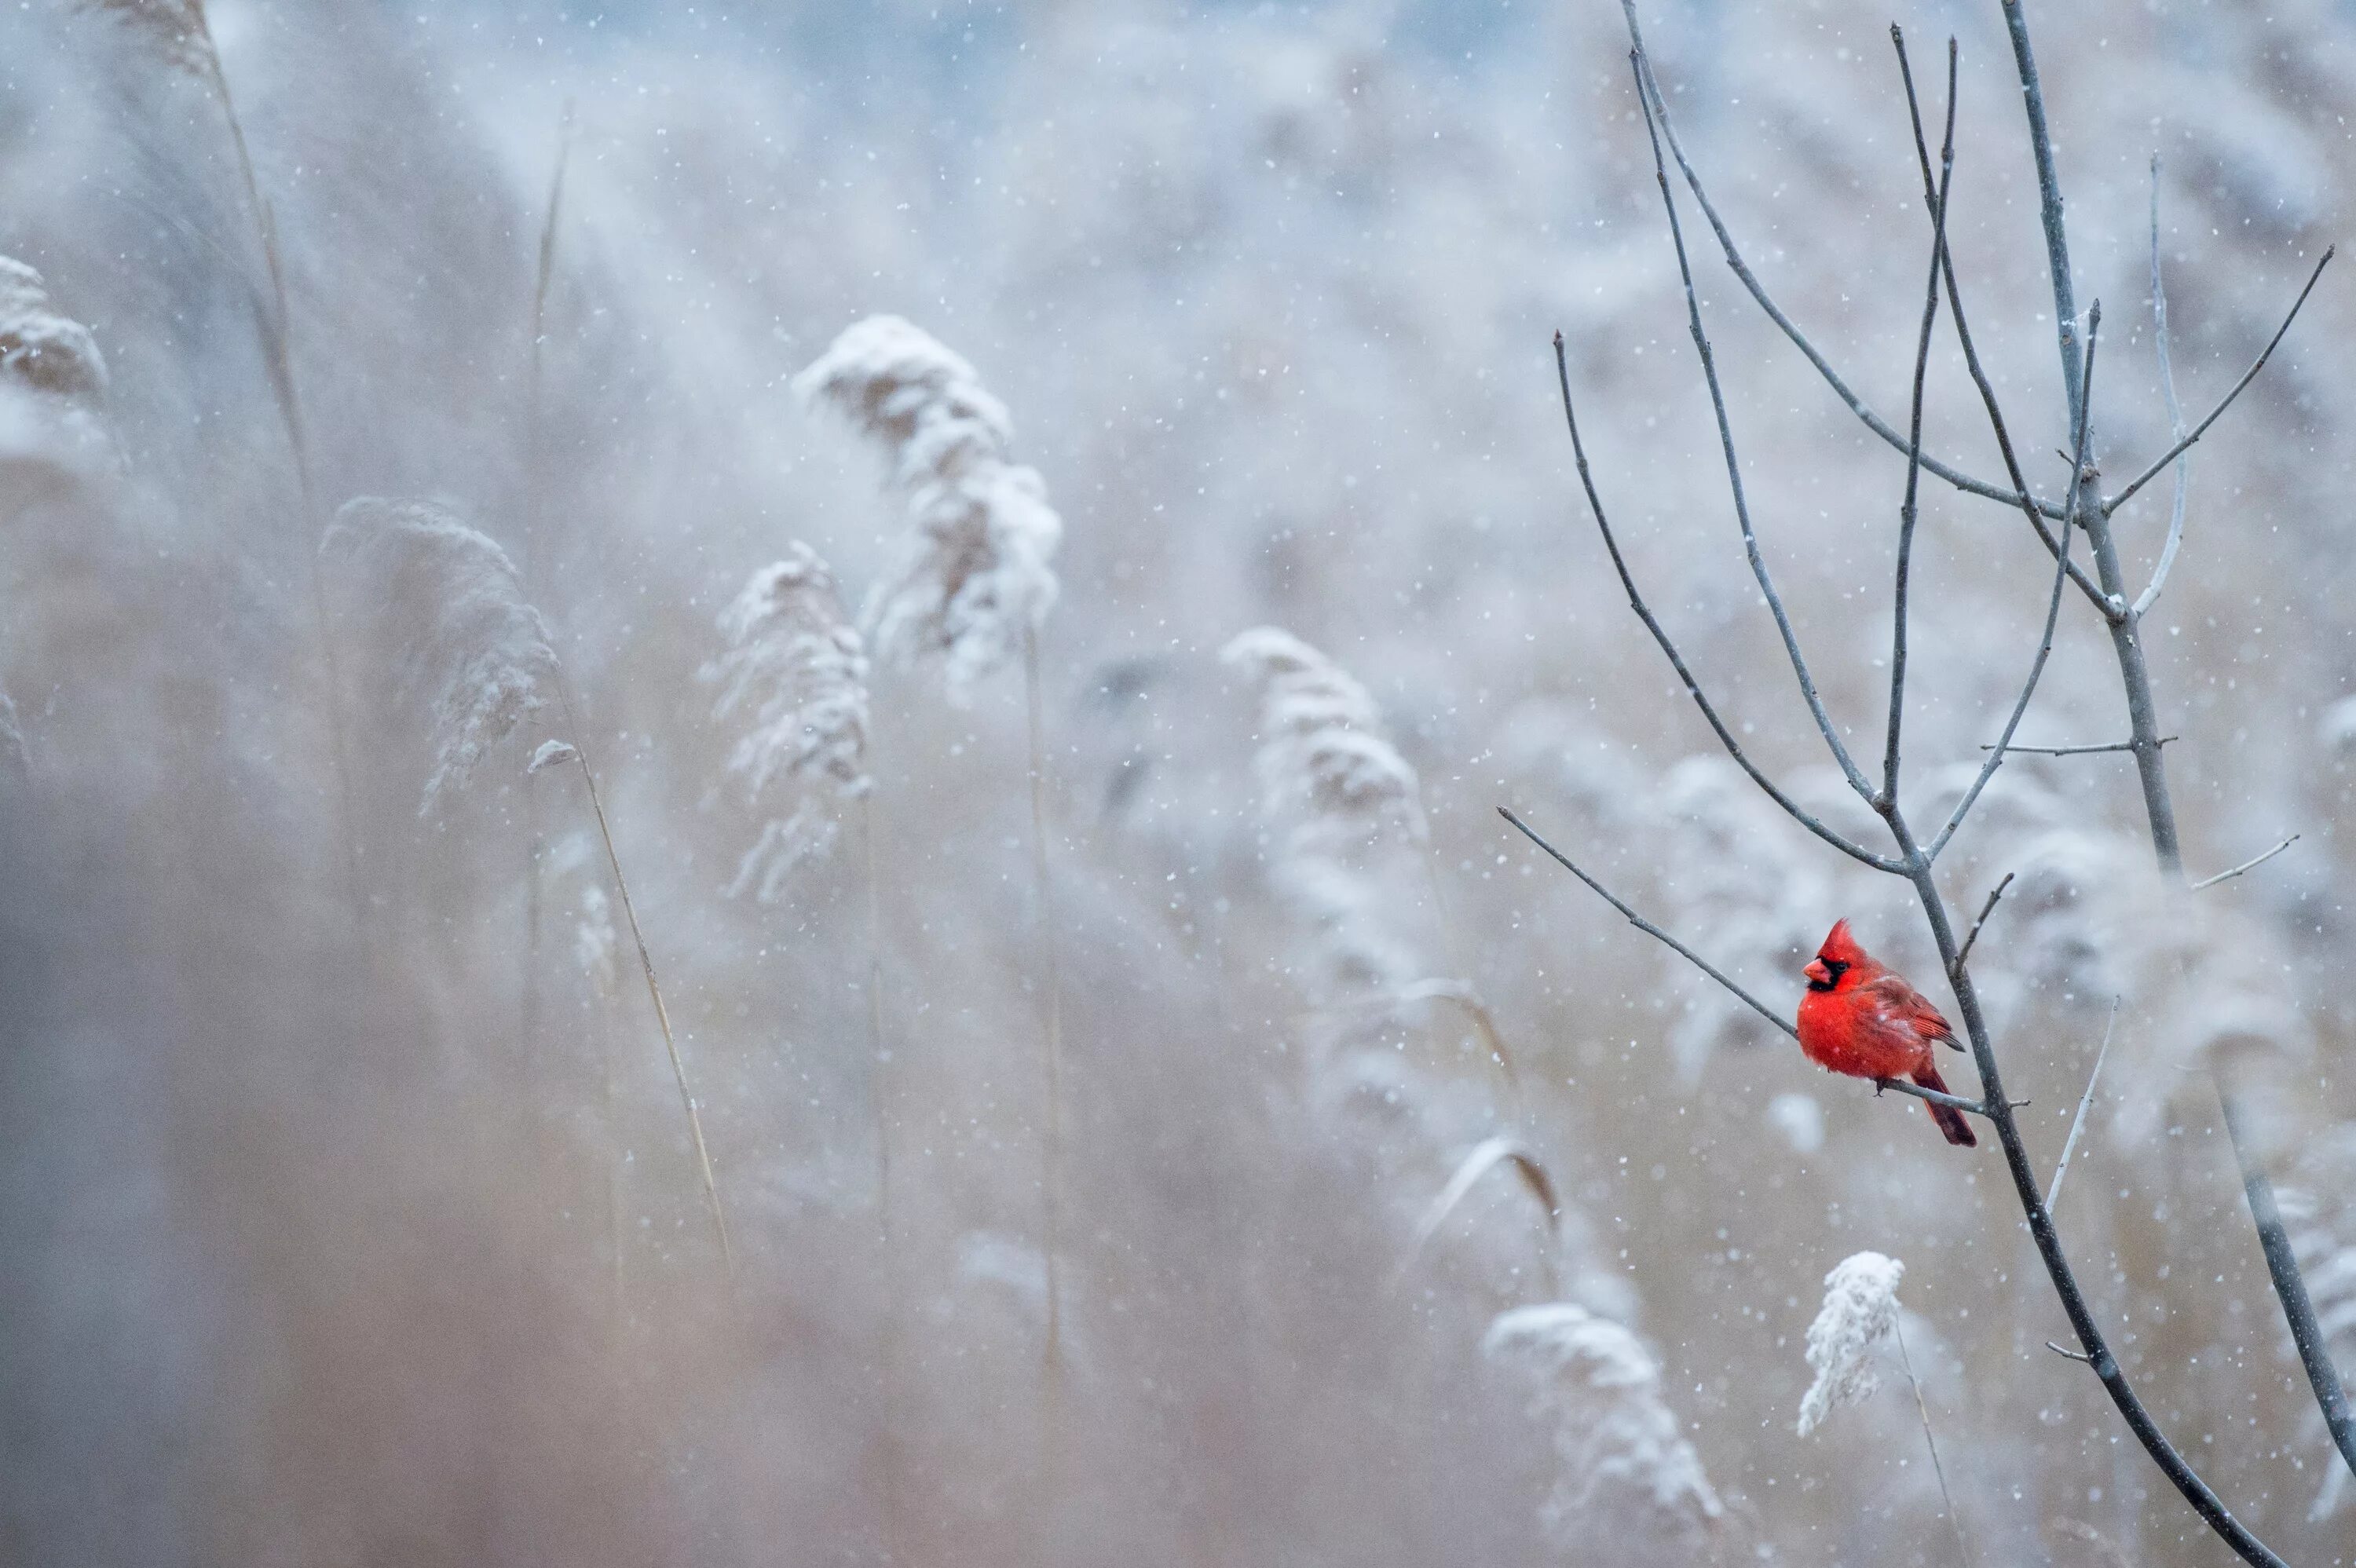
x=1668, y=645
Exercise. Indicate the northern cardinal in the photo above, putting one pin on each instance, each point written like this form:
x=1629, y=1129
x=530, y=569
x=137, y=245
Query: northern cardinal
x=1859, y=1018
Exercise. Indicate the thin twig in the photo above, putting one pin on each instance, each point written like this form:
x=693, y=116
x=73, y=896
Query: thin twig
x=1649, y=929
x=2246, y=865
x=1749, y=281
x=654, y=991
x=1987, y=908
x=1907, y=511
x=1963, y=1554
x=2170, y=455
x=2075, y=751
x=2079, y=1355
x=2078, y=1123
x=1668, y=645
x=1733, y=465
x=2145, y=600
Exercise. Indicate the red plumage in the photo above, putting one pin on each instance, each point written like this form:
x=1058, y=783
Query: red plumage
x=1858, y=1017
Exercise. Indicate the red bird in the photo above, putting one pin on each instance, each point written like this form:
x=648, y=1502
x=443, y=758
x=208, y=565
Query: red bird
x=1859, y=1018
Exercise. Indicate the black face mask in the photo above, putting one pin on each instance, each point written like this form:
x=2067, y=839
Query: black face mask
x=1834, y=968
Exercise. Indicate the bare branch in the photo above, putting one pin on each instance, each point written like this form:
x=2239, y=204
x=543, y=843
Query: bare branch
x=2079, y=1355
x=2035, y=511
x=2078, y=1123
x=1757, y=292
x=2079, y=750
x=2145, y=600
x=1669, y=646
x=2180, y=1473
x=1649, y=929
x=2170, y=455
x=1964, y=954
x=2253, y=861
x=1907, y=509
x=1733, y=465
x=2052, y=607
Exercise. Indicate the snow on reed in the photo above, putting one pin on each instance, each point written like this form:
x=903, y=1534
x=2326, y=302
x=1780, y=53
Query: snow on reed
x=797, y=670
x=12, y=735
x=1860, y=1310
x=1625, y=1473
x=1334, y=795
x=41, y=348
x=444, y=600
x=52, y=379
x=975, y=576
x=2318, y=1207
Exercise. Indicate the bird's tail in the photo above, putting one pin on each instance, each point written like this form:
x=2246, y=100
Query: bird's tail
x=1951, y=1121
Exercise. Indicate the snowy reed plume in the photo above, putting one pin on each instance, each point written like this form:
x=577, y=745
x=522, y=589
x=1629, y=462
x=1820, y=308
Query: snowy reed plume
x=2321, y=1211
x=1626, y=1475
x=52, y=377
x=446, y=600
x=1334, y=795
x=39, y=348
x=795, y=668
x=975, y=576
x=1860, y=1310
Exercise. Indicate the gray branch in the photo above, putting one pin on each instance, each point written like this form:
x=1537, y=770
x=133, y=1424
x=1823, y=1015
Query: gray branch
x=2173, y=453
x=1668, y=645
x=1749, y=281
x=1734, y=463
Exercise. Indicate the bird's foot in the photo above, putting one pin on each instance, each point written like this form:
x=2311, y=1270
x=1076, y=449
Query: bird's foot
x=1879, y=1085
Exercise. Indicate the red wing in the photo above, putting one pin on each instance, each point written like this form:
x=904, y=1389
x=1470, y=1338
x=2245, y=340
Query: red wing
x=1902, y=1003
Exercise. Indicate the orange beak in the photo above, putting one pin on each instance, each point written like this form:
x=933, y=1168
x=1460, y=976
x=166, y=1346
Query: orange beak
x=1817, y=972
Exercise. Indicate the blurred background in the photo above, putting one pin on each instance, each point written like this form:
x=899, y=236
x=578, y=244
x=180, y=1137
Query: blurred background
x=347, y=1212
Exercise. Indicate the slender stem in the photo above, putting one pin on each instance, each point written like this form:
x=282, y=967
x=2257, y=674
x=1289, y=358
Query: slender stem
x=2173, y=453
x=2252, y=861
x=1757, y=292
x=1825, y=726
x=1898, y=1331
x=271, y=316
x=2150, y=594
x=1051, y=1149
x=654, y=991
x=2078, y=1123
x=1668, y=645
x=1907, y=512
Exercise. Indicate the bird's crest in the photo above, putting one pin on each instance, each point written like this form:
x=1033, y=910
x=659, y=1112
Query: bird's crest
x=1840, y=946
